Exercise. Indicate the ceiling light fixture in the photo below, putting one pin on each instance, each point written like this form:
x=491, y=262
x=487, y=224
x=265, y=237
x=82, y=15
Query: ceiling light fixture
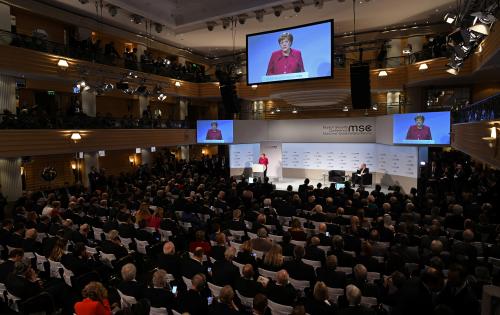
x=278, y=110
x=63, y=64
x=112, y=10
x=345, y=109
x=211, y=25
x=375, y=106
x=278, y=10
x=177, y=84
x=272, y=112
x=297, y=6
x=225, y=22
x=382, y=73
x=162, y=97
x=423, y=67
x=254, y=86
x=259, y=15
x=450, y=18
x=242, y=18
x=295, y=111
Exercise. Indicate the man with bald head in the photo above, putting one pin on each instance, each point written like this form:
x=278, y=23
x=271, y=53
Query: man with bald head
x=324, y=240
x=281, y=291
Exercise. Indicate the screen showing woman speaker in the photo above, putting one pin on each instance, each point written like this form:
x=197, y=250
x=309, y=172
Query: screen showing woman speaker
x=297, y=53
x=422, y=128
x=214, y=131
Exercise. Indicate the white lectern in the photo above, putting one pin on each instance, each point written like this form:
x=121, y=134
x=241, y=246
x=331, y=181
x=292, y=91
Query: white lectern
x=258, y=170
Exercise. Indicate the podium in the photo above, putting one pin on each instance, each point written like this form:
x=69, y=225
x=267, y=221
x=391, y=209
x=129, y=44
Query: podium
x=258, y=170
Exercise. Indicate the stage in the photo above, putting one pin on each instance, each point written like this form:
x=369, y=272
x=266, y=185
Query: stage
x=295, y=182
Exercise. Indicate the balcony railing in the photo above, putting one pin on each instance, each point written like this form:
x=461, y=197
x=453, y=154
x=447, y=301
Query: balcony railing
x=94, y=52
x=82, y=121
x=487, y=109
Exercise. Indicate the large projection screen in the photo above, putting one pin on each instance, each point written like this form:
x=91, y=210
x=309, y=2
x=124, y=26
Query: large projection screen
x=297, y=53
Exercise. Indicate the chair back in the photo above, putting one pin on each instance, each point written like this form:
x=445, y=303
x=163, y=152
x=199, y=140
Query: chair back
x=97, y=233
x=142, y=247
x=126, y=241
x=346, y=270
x=372, y=276
x=300, y=285
x=279, y=309
x=259, y=254
x=368, y=301
x=298, y=243
x=268, y=273
x=240, y=267
x=246, y=301
x=235, y=245
x=187, y=282
x=314, y=263
x=252, y=235
x=334, y=293
x=158, y=311
x=174, y=312
x=276, y=238
x=214, y=289
x=126, y=300
x=55, y=268
x=165, y=235
x=40, y=262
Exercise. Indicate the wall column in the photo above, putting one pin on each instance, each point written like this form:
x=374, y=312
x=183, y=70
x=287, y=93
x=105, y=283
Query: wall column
x=7, y=94
x=183, y=108
x=10, y=178
x=185, y=152
x=89, y=159
x=143, y=104
x=146, y=157
x=89, y=103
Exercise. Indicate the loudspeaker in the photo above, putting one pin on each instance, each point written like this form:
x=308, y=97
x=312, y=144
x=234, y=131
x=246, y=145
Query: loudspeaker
x=360, y=86
x=230, y=98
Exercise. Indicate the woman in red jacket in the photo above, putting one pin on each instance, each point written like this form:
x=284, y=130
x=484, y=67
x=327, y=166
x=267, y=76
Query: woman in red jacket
x=95, y=300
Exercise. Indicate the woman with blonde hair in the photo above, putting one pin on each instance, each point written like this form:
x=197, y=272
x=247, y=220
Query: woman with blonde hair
x=143, y=213
x=58, y=250
x=320, y=303
x=245, y=255
x=273, y=259
x=95, y=300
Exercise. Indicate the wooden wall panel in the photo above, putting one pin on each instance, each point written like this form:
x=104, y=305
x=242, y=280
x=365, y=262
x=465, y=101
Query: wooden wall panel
x=62, y=164
x=117, y=161
x=482, y=91
x=17, y=143
x=468, y=138
x=27, y=22
x=117, y=107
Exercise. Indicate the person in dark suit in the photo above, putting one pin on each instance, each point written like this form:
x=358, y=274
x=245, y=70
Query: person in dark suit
x=303, y=189
x=323, y=239
x=113, y=245
x=193, y=301
x=237, y=223
x=319, y=303
x=331, y=277
x=218, y=250
x=80, y=261
x=457, y=294
x=360, y=281
x=5, y=231
x=16, y=239
x=30, y=243
x=223, y=271
x=344, y=259
x=129, y=286
x=246, y=255
x=169, y=261
x=353, y=296
x=246, y=285
x=16, y=255
x=81, y=236
x=194, y=265
x=261, y=243
x=125, y=228
x=361, y=172
x=281, y=291
x=313, y=252
x=23, y=282
x=159, y=295
x=297, y=269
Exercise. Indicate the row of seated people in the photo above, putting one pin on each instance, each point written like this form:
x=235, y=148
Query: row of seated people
x=205, y=207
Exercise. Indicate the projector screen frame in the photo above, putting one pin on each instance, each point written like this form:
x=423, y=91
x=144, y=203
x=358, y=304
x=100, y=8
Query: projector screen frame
x=332, y=55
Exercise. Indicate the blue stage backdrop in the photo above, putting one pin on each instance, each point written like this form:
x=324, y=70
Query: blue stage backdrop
x=223, y=133
x=313, y=41
x=435, y=130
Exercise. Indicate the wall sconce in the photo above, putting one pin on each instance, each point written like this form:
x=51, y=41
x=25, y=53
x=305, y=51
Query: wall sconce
x=254, y=86
x=76, y=136
x=492, y=139
x=177, y=84
x=63, y=64
x=153, y=149
x=382, y=73
x=131, y=159
x=204, y=151
x=22, y=170
x=423, y=67
x=73, y=165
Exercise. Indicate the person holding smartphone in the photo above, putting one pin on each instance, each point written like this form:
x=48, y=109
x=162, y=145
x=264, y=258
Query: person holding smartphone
x=159, y=294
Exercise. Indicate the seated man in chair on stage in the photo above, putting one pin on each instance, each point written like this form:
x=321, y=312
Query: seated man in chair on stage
x=360, y=175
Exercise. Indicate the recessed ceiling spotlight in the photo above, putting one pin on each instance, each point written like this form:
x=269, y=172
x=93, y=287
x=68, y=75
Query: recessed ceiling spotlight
x=242, y=18
x=297, y=5
x=278, y=10
x=211, y=25
x=259, y=15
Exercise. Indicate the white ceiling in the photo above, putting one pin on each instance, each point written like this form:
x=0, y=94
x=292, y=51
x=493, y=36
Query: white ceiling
x=185, y=20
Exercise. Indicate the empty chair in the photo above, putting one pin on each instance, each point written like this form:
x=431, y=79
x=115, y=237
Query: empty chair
x=214, y=289
x=279, y=309
x=187, y=282
x=299, y=285
x=55, y=266
x=12, y=301
x=252, y=235
x=267, y=273
x=91, y=250
x=40, y=262
x=314, y=263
